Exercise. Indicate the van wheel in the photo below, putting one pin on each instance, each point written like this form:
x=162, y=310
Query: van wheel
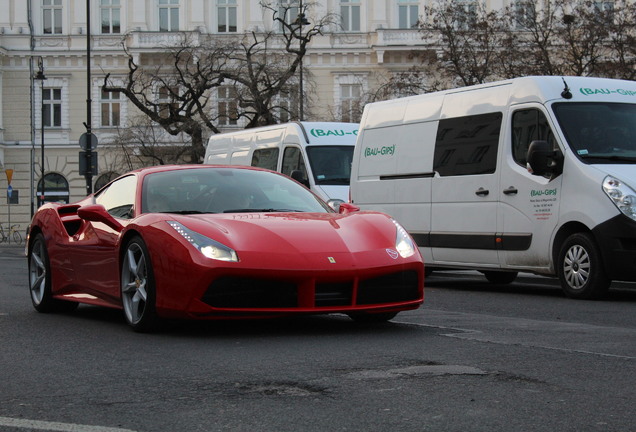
x=580, y=268
x=500, y=277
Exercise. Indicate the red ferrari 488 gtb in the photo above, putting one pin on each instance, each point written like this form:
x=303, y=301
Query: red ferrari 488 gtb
x=210, y=242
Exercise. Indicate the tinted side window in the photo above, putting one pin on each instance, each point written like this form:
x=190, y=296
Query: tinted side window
x=527, y=126
x=467, y=145
x=265, y=158
x=119, y=197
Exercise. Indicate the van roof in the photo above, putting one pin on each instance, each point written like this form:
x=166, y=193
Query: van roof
x=313, y=133
x=540, y=89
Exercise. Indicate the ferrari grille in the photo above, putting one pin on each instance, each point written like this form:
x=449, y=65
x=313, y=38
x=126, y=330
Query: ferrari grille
x=254, y=293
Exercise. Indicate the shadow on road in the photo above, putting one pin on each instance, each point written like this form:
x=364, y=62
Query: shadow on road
x=524, y=284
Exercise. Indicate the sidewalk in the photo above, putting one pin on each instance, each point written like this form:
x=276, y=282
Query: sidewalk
x=12, y=249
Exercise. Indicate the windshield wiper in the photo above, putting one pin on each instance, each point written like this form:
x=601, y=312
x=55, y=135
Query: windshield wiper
x=336, y=180
x=262, y=210
x=612, y=158
x=187, y=212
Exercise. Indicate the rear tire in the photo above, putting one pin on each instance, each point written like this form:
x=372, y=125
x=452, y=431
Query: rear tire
x=40, y=280
x=580, y=268
x=500, y=277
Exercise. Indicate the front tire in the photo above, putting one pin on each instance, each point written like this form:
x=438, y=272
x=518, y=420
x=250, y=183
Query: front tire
x=580, y=268
x=40, y=280
x=138, y=287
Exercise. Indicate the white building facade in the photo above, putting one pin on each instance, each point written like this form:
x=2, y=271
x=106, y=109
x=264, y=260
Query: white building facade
x=48, y=116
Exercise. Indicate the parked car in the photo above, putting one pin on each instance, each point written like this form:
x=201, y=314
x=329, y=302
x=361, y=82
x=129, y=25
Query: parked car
x=210, y=242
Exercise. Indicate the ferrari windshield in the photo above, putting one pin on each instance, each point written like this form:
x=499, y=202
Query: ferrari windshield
x=599, y=132
x=331, y=165
x=225, y=190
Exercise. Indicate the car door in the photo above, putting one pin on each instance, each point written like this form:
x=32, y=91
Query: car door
x=96, y=245
x=464, y=190
x=529, y=205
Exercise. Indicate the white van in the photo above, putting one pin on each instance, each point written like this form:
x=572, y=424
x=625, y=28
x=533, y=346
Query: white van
x=534, y=174
x=316, y=154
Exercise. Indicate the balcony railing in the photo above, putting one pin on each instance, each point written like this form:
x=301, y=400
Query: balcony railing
x=393, y=37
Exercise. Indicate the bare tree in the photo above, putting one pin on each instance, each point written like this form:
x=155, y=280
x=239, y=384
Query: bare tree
x=467, y=37
x=620, y=60
x=177, y=90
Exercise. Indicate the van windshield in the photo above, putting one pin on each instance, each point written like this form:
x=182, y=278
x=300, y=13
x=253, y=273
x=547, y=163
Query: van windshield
x=331, y=165
x=599, y=132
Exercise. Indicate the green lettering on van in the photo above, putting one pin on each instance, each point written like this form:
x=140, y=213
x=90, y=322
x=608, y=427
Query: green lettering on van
x=379, y=151
x=321, y=133
x=544, y=192
x=586, y=91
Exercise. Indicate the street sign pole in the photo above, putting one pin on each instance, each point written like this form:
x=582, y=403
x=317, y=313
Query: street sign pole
x=9, y=174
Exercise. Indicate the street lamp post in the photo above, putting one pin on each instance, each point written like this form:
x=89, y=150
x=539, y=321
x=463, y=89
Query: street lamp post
x=41, y=77
x=301, y=21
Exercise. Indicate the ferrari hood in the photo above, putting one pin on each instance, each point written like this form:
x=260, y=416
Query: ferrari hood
x=300, y=232
x=297, y=240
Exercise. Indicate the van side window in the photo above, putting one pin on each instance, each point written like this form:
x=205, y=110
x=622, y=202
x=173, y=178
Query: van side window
x=293, y=161
x=265, y=158
x=529, y=125
x=467, y=145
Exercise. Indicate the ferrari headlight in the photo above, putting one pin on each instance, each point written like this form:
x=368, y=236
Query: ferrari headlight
x=621, y=195
x=208, y=247
x=403, y=242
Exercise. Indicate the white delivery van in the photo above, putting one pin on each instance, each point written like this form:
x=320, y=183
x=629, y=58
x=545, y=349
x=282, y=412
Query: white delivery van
x=534, y=174
x=314, y=153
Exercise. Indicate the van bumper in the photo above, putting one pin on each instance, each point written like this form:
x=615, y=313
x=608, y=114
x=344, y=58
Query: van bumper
x=616, y=239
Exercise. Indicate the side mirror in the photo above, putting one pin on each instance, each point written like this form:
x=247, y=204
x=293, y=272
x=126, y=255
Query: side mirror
x=542, y=159
x=299, y=177
x=346, y=208
x=98, y=213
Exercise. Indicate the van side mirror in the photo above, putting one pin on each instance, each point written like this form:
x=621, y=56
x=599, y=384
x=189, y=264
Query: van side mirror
x=542, y=159
x=299, y=177
x=98, y=213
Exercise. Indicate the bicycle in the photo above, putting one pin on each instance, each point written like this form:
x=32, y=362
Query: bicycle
x=9, y=233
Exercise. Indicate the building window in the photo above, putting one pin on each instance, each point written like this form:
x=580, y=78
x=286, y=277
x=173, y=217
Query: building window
x=111, y=22
x=350, y=102
x=523, y=14
x=168, y=15
x=408, y=14
x=52, y=16
x=227, y=16
x=350, y=15
x=288, y=104
x=288, y=10
x=167, y=100
x=227, y=106
x=111, y=108
x=52, y=107
x=55, y=189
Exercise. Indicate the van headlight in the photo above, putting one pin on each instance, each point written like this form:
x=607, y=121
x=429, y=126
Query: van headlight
x=208, y=247
x=622, y=195
x=403, y=241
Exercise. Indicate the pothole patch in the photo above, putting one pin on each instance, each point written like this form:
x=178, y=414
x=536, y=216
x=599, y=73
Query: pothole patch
x=419, y=370
x=280, y=389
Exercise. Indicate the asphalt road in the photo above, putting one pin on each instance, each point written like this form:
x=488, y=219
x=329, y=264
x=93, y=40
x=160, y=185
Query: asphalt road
x=475, y=357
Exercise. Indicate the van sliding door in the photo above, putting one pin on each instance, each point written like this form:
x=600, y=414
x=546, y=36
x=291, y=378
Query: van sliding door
x=464, y=190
